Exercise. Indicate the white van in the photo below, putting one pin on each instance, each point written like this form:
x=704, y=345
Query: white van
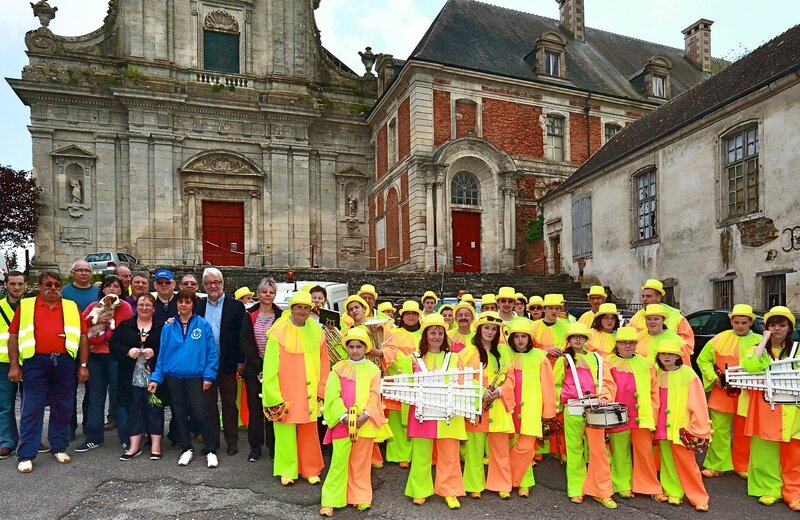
x=337, y=293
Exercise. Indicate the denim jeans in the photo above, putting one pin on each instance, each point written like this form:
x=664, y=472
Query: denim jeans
x=9, y=436
x=102, y=379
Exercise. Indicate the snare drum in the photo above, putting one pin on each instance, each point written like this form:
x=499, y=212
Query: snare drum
x=614, y=414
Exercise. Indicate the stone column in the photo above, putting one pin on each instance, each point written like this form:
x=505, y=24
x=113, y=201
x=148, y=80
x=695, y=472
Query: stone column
x=328, y=236
x=280, y=216
x=47, y=231
x=508, y=188
x=108, y=200
x=300, y=206
x=140, y=187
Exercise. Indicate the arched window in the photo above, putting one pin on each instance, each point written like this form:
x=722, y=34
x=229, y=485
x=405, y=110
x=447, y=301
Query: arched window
x=464, y=189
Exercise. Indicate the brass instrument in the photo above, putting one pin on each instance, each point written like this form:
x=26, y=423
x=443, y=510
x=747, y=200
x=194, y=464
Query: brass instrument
x=376, y=330
x=333, y=340
x=499, y=379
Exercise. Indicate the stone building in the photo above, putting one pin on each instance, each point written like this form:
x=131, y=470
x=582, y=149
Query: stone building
x=199, y=131
x=492, y=109
x=702, y=193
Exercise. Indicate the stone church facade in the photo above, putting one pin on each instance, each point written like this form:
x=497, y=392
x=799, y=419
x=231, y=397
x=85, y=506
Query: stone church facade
x=199, y=131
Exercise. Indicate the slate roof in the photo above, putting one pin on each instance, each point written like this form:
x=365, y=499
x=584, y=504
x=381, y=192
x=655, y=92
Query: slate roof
x=482, y=37
x=773, y=60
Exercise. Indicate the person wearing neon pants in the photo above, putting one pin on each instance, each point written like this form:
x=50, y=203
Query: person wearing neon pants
x=534, y=401
x=496, y=424
x=727, y=409
x=353, y=384
x=774, y=470
x=593, y=378
x=295, y=372
x=648, y=340
x=682, y=406
x=633, y=467
x=434, y=355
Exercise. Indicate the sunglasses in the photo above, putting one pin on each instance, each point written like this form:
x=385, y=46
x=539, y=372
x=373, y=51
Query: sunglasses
x=492, y=319
x=535, y=307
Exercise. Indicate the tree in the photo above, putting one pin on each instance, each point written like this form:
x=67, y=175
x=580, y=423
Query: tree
x=19, y=207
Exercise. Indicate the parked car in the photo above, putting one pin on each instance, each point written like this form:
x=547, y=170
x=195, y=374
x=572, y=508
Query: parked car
x=106, y=262
x=708, y=323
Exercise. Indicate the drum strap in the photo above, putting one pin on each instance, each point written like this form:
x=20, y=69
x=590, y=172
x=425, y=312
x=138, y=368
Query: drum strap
x=424, y=369
x=574, y=371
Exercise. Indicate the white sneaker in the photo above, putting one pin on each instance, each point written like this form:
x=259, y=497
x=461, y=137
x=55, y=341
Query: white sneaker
x=186, y=458
x=212, y=461
x=62, y=457
x=25, y=466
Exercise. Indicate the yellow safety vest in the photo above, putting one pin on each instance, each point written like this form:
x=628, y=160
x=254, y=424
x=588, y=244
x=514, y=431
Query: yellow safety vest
x=72, y=328
x=9, y=313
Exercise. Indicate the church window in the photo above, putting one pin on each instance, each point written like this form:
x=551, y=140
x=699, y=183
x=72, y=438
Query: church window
x=464, y=189
x=221, y=43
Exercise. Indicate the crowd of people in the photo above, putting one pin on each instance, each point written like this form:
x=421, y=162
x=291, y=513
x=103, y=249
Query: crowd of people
x=309, y=381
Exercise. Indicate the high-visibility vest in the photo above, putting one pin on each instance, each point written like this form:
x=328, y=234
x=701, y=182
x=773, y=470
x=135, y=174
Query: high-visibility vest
x=8, y=312
x=72, y=328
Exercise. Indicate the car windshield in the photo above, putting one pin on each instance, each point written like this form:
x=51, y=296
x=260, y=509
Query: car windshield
x=98, y=257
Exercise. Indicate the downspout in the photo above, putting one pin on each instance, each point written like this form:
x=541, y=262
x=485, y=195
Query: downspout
x=586, y=115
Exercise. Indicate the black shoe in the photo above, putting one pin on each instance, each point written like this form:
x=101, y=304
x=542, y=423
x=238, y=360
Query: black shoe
x=5, y=453
x=255, y=454
x=232, y=450
x=43, y=448
x=129, y=456
x=110, y=425
x=155, y=456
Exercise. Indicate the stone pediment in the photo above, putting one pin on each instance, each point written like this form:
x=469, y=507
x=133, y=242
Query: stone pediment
x=351, y=173
x=221, y=163
x=73, y=151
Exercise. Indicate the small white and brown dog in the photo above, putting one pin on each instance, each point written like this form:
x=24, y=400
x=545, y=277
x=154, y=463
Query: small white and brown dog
x=105, y=308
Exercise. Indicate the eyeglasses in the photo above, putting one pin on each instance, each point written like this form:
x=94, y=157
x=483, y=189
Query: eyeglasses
x=52, y=285
x=81, y=270
x=213, y=283
x=163, y=282
x=535, y=307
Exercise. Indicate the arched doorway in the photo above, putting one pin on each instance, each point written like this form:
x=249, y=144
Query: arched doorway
x=466, y=222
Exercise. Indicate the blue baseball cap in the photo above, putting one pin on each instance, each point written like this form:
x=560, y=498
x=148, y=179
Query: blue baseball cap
x=164, y=273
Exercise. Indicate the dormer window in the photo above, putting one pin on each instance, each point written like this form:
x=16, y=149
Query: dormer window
x=548, y=57
x=657, y=77
x=659, y=86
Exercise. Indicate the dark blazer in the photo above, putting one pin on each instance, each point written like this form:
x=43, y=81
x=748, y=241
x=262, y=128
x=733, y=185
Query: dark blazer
x=230, y=344
x=253, y=362
x=126, y=337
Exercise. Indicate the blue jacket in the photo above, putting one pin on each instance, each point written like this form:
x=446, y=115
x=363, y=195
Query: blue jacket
x=191, y=357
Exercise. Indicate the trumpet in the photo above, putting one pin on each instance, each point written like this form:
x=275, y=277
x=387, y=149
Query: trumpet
x=498, y=379
x=377, y=335
x=333, y=340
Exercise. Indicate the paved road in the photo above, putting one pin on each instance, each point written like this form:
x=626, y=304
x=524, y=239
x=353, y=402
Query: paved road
x=96, y=485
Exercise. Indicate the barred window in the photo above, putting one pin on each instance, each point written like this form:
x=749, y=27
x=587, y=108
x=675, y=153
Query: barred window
x=741, y=172
x=464, y=189
x=646, y=204
x=554, y=140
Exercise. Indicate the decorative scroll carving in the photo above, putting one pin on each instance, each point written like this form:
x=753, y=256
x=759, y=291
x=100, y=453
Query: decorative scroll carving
x=222, y=22
x=222, y=163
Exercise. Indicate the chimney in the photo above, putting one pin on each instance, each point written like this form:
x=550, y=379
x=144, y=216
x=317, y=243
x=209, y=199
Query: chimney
x=697, y=43
x=571, y=16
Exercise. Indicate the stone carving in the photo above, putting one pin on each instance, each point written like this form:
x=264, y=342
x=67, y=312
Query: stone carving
x=75, y=211
x=77, y=190
x=222, y=163
x=352, y=205
x=222, y=22
x=44, y=12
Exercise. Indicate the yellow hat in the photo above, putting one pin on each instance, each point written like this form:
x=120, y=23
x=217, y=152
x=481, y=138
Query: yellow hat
x=598, y=290
x=354, y=298
x=446, y=306
x=307, y=287
x=535, y=300
x=507, y=292
x=368, y=289
x=409, y=306
x=780, y=310
x=654, y=284
x=520, y=296
x=552, y=300
x=518, y=325
x=488, y=318
x=360, y=334
x=656, y=309
x=386, y=306
x=464, y=305
x=301, y=298
x=742, y=309
x=432, y=320
x=626, y=334
x=429, y=294
x=670, y=346
x=488, y=298
x=577, y=329
x=243, y=291
x=607, y=308
x=467, y=297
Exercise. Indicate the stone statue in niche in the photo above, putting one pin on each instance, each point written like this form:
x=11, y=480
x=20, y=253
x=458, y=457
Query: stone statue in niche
x=352, y=206
x=77, y=190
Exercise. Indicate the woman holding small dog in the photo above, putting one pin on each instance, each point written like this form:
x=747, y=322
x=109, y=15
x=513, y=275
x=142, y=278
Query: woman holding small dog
x=102, y=318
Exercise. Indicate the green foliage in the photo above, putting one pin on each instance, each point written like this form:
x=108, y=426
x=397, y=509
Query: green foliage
x=19, y=206
x=218, y=88
x=112, y=81
x=134, y=74
x=232, y=88
x=535, y=229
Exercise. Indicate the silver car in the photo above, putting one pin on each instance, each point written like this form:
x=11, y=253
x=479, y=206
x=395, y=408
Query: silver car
x=106, y=262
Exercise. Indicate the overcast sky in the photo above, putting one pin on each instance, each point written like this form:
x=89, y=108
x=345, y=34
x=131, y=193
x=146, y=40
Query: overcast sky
x=395, y=27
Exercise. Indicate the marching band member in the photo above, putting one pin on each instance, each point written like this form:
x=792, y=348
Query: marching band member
x=506, y=300
x=368, y=293
x=637, y=387
x=461, y=336
x=488, y=303
x=653, y=292
x=355, y=421
x=565, y=315
x=682, y=418
x=596, y=480
x=549, y=333
x=597, y=296
x=428, y=300
x=725, y=408
x=535, y=307
x=387, y=309
x=496, y=425
x=655, y=316
x=534, y=398
x=520, y=305
x=467, y=298
x=603, y=327
x=296, y=352
x=774, y=470
x=447, y=313
x=434, y=355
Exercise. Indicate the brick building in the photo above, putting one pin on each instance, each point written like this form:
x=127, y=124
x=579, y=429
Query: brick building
x=492, y=109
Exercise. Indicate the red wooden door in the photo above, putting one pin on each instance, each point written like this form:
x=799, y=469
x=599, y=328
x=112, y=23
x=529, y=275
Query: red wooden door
x=223, y=233
x=466, y=242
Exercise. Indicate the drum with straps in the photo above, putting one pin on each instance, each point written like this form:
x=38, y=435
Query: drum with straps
x=614, y=414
